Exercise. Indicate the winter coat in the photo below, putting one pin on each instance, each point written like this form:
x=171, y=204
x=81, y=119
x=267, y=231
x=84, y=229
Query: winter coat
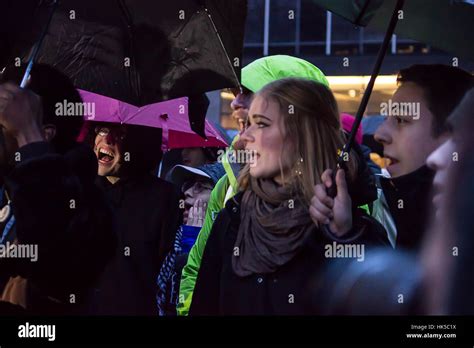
x=168, y=281
x=362, y=190
x=403, y=207
x=219, y=291
x=147, y=216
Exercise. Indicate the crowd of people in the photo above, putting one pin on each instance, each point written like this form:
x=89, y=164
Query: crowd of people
x=219, y=236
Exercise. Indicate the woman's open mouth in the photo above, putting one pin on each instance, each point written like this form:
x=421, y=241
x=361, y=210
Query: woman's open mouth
x=105, y=156
x=251, y=157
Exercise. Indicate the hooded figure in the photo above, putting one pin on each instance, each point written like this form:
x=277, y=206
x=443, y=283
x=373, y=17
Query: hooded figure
x=146, y=216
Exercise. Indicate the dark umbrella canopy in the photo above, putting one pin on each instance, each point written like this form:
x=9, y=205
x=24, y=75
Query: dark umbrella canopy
x=444, y=24
x=139, y=52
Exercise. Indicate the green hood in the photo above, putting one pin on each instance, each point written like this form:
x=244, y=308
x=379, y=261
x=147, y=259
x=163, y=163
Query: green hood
x=268, y=69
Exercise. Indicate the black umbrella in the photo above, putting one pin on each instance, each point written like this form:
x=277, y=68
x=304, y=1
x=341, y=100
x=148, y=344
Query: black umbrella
x=139, y=52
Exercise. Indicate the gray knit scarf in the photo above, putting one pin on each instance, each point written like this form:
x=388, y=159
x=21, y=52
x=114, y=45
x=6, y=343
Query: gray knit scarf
x=274, y=225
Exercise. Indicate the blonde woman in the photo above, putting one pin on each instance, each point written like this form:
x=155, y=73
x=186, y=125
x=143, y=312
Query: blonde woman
x=264, y=246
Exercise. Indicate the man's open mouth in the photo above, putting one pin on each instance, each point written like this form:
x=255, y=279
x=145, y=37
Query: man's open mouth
x=105, y=156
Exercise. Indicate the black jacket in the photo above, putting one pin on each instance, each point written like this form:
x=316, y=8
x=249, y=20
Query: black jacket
x=219, y=291
x=147, y=216
x=409, y=200
x=363, y=189
x=58, y=208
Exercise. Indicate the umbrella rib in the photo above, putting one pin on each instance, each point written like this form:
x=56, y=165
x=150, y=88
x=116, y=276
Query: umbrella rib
x=223, y=47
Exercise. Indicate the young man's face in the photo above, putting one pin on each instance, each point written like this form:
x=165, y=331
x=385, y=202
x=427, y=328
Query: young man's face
x=408, y=140
x=108, y=149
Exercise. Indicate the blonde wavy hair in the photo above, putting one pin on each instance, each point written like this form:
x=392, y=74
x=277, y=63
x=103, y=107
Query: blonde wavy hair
x=311, y=123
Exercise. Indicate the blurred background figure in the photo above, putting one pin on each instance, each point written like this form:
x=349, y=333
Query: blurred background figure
x=198, y=156
x=347, y=122
x=448, y=251
x=369, y=126
x=387, y=282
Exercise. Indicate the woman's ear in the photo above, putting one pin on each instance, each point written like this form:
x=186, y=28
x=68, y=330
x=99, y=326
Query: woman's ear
x=49, y=132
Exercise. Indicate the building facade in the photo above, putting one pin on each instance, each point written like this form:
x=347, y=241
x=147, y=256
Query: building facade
x=344, y=52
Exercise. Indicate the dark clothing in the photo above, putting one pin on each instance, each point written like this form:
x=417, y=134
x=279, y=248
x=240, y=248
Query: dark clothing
x=58, y=208
x=147, y=217
x=363, y=189
x=409, y=200
x=342, y=288
x=219, y=291
x=169, y=279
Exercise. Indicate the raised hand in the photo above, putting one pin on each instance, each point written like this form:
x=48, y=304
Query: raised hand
x=336, y=212
x=197, y=213
x=21, y=114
